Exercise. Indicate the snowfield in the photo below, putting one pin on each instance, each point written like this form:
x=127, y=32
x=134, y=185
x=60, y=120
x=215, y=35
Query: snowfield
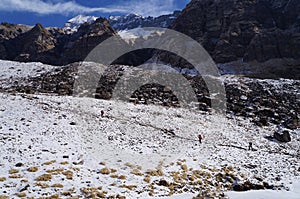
x=61, y=147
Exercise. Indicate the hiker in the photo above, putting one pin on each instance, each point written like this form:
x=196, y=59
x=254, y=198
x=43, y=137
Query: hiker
x=200, y=138
x=102, y=113
x=250, y=146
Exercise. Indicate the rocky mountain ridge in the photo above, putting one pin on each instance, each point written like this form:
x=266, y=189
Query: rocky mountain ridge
x=250, y=29
x=51, y=45
x=229, y=30
x=132, y=21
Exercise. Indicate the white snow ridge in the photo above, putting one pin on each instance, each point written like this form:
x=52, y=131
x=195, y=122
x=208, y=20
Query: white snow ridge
x=73, y=24
x=48, y=145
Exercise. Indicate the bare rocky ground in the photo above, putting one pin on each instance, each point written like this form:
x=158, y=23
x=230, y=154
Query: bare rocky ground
x=265, y=101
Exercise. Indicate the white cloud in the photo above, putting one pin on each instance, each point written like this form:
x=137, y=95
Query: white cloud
x=142, y=7
x=148, y=7
x=42, y=7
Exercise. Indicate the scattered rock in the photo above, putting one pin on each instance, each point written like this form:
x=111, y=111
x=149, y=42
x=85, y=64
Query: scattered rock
x=19, y=164
x=25, y=188
x=283, y=136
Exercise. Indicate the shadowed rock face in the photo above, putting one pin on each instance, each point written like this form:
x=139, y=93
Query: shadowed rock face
x=248, y=29
x=33, y=45
x=81, y=43
x=7, y=32
x=51, y=45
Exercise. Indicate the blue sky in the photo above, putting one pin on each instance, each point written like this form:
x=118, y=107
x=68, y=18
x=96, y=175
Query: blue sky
x=57, y=12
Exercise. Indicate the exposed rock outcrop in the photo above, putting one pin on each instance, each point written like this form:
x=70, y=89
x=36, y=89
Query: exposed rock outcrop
x=51, y=45
x=249, y=30
x=8, y=32
x=283, y=136
x=262, y=101
x=34, y=45
x=88, y=36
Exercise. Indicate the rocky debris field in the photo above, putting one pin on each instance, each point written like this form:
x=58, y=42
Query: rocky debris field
x=265, y=101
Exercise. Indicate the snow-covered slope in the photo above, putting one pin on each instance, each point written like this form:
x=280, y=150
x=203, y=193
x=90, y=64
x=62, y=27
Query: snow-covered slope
x=62, y=147
x=73, y=24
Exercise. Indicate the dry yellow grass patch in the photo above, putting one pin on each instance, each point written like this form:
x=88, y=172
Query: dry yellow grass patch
x=44, y=177
x=130, y=187
x=102, y=163
x=21, y=194
x=184, y=167
x=105, y=171
x=93, y=192
x=2, y=179
x=55, y=196
x=68, y=174
x=132, y=166
x=55, y=171
x=69, y=193
x=15, y=176
x=13, y=171
x=114, y=176
x=4, y=197
x=122, y=177
x=192, y=177
x=42, y=185
x=64, y=163
x=33, y=169
x=176, y=177
x=49, y=162
x=121, y=197
x=136, y=172
x=157, y=172
x=57, y=185
x=184, y=176
x=113, y=170
x=147, y=179
x=101, y=194
x=229, y=168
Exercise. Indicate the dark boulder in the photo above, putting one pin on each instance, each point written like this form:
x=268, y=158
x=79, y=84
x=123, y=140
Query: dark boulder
x=283, y=136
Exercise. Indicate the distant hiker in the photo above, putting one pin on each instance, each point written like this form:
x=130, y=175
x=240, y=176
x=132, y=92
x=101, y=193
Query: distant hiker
x=250, y=146
x=102, y=113
x=200, y=137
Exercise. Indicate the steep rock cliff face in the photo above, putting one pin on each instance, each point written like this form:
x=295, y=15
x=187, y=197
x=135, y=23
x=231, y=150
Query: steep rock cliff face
x=248, y=29
x=34, y=45
x=8, y=32
x=88, y=36
x=51, y=45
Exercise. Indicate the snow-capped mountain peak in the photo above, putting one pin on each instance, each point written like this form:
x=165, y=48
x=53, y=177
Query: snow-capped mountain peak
x=132, y=21
x=73, y=24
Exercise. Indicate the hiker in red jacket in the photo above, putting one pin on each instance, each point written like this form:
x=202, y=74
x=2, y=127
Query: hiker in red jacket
x=200, y=138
